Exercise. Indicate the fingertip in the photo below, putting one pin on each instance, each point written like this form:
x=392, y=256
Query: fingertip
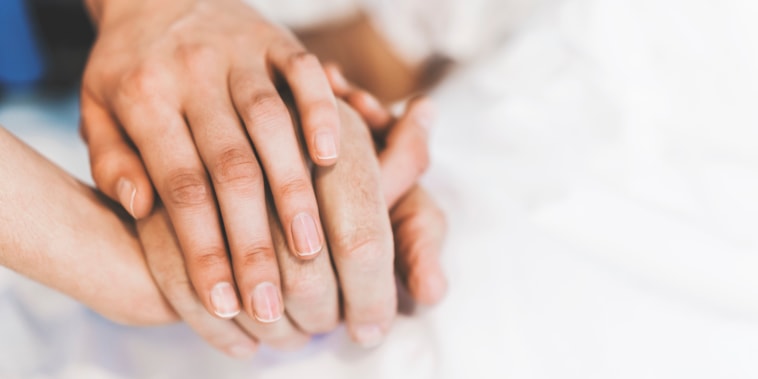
x=136, y=196
x=126, y=192
x=371, y=109
x=430, y=288
x=143, y=201
x=339, y=83
x=242, y=350
x=423, y=112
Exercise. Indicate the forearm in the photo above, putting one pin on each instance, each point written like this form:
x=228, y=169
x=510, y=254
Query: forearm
x=60, y=233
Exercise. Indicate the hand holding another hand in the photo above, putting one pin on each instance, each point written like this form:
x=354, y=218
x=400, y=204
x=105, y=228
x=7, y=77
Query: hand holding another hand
x=363, y=256
x=186, y=91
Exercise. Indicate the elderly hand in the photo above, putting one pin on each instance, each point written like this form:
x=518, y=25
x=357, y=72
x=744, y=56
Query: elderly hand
x=186, y=91
x=357, y=226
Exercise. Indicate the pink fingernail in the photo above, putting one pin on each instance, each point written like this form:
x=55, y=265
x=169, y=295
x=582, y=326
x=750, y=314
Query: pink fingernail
x=325, y=146
x=305, y=234
x=267, y=304
x=224, y=300
x=126, y=194
x=368, y=335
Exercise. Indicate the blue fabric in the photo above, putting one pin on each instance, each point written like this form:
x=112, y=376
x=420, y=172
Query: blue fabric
x=20, y=59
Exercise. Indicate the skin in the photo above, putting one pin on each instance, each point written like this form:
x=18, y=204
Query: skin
x=363, y=258
x=182, y=95
x=92, y=244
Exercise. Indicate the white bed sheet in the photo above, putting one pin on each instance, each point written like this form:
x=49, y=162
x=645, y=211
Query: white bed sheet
x=600, y=174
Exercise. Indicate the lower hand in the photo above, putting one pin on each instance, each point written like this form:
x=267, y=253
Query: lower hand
x=310, y=288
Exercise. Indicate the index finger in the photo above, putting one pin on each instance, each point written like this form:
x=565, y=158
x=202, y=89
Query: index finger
x=314, y=99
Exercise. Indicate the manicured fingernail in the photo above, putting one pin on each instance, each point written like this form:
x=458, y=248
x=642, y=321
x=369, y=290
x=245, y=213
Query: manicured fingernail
x=267, y=305
x=305, y=233
x=243, y=350
x=224, y=300
x=369, y=335
x=325, y=146
x=425, y=114
x=126, y=194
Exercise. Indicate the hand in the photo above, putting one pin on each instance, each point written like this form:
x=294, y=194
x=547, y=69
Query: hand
x=403, y=150
x=190, y=84
x=310, y=287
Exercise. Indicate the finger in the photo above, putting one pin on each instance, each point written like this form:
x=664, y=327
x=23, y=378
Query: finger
x=283, y=335
x=310, y=287
x=116, y=168
x=406, y=154
x=314, y=100
x=359, y=233
x=167, y=266
x=419, y=228
x=239, y=187
x=182, y=183
x=269, y=125
x=371, y=110
x=339, y=83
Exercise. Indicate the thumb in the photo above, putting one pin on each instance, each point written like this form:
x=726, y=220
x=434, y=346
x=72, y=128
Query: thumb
x=116, y=168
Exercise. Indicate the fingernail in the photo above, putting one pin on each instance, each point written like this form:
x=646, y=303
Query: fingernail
x=126, y=193
x=243, y=350
x=369, y=335
x=325, y=146
x=425, y=114
x=267, y=305
x=307, y=238
x=224, y=300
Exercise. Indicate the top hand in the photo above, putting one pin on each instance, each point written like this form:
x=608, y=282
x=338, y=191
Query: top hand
x=191, y=83
x=354, y=216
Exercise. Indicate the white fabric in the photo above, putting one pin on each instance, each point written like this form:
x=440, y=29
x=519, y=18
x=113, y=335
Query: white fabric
x=600, y=175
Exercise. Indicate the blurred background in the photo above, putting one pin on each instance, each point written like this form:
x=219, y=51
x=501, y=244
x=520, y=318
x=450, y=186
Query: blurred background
x=597, y=160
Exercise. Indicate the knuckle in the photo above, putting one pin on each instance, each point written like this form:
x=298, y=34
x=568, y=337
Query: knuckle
x=210, y=258
x=101, y=165
x=198, y=58
x=264, y=109
x=257, y=255
x=303, y=60
x=308, y=290
x=294, y=188
x=322, y=112
x=187, y=188
x=366, y=249
x=236, y=167
x=143, y=82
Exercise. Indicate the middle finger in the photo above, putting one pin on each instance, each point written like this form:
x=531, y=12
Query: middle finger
x=238, y=183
